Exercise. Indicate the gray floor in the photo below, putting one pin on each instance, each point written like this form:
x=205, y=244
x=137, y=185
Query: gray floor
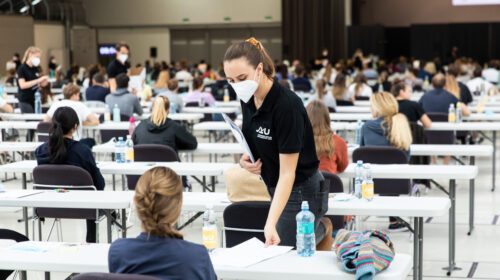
x=479, y=251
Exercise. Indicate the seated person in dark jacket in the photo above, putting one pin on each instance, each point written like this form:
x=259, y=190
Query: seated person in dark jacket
x=411, y=109
x=301, y=82
x=220, y=86
x=160, y=250
x=62, y=149
x=159, y=129
x=97, y=91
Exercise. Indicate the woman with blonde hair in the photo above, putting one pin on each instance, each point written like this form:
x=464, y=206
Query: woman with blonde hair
x=331, y=149
x=160, y=250
x=162, y=80
x=28, y=79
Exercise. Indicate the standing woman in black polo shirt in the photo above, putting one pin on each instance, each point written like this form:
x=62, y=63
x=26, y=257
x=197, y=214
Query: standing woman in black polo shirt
x=280, y=137
x=118, y=65
x=28, y=79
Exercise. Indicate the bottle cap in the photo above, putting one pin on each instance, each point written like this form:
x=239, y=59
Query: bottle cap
x=132, y=120
x=359, y=162
x=305, y=204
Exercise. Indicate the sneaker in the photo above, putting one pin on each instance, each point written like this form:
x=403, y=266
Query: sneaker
x=397, y=227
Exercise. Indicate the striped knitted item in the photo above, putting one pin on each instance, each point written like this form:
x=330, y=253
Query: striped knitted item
x=367, y=252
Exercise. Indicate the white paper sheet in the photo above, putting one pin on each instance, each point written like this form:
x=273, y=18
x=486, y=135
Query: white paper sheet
x=239, y=136
x=247, y=253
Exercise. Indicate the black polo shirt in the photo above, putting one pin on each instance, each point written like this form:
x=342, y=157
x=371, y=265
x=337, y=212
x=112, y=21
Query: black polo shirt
x=115, y=67
x=280, y=126
x=27, y=73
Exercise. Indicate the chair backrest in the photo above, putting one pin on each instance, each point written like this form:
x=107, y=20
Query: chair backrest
x=362, y=98
x=54, y=176
x=384, y=155
x=245, y=220
x=206, y=117
x=108, y=134
x=301, y=87
x=113, y=276
x=335, y=185
x=439, y=136
x=151, y=152
x=42, y=131
x=344, y=103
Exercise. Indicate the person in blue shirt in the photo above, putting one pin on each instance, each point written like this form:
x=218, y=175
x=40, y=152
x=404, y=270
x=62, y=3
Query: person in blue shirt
x=389, y=128
x=160, y=250
x=438, y=99
x=301, y=82
x=97, y=91
x=62, y=149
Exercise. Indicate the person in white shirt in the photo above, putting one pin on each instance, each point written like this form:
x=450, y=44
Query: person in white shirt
x=475, y=85
x=71, y=95
x=359, y=88
x=491, y=74
x=323, y=95
x=5, y=107
x=183, y=75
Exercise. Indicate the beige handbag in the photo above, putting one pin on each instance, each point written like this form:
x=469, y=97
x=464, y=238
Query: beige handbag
x=242, y=185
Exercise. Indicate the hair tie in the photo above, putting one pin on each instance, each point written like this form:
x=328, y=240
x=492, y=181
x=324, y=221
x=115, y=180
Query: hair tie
x=254, y=42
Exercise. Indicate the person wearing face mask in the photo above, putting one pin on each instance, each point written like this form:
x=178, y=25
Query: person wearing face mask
x=28, y=79
x=118, y=65
x=281, y=139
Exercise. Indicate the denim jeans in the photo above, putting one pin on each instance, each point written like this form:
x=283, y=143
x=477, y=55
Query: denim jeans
x=311, y=190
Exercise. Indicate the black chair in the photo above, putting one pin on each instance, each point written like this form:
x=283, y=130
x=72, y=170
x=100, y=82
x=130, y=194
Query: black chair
x=418, y=136
x=362, y=98
x=439, y=136
x=10, y=235
x=335, y=185
x=108, y=134
x=245, y=220
x=344, y=103
x=331, y=110
x=384, y=155
x=151, y=152
x=112, y=276
x=54, y=176
x=206, y=117
x=42, y=131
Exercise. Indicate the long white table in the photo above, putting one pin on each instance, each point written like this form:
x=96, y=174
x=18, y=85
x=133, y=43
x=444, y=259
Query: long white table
x=210, y=110
x=233, y=103
x=82, y=258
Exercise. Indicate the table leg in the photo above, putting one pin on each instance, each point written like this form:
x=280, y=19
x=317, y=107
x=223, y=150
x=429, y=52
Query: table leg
x=204, y=184
x=108, y=224
x=124, y=223
x=213, y=183
x=471, y=200
x=494, y=159
x=420, y=247
x=25, y=209
x=451, y=231
x=415, y=248
x=124, y=187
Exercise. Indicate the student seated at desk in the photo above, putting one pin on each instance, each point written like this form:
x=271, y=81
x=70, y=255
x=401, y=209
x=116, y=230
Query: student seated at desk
x=97, y=91
x=389, y=128
x=159, y=129
x=198, y=95
x=330, y=148
x=63, y=149
x=411, y=109
x=160, y=250
x=323, y=95
x=169, y=89
x=126, y=101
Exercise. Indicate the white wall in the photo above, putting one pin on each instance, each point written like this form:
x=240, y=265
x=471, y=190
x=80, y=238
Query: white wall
x=50, y=39
x=168, y=12
x=140, y=40
x=17, y=36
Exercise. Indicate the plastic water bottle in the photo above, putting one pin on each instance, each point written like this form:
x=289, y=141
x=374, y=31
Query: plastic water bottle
x=116, y=114
x=358, y=180
x=367, y=188
x=358, y=132
x=226, y=95
x=129, y=145
x=458, y=118
x=306, y=240
x=131, y=126
x=173, y=108
x=209, y=230
x=38, y=103
x=120, y=151
x=451, y=114
x=107, y=114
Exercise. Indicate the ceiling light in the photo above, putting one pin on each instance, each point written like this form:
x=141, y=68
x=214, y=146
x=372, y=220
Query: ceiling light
x=34, y=2
x=24, y=9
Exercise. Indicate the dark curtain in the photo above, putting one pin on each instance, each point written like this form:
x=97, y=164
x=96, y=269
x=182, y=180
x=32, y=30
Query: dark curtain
x=397, y=42
x=308, y=26
x=494, y=35
x=369, y=38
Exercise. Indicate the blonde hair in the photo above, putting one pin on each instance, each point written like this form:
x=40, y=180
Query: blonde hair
x=30, y=50
x=321, y=88
x=158, y=201
x=163, y=79
x=451, y=85
x=319, y=117
x=70, y=90
x=159, y=113
x=398, y=130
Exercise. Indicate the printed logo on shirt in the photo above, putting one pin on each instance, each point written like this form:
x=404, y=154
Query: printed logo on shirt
x=263, y=133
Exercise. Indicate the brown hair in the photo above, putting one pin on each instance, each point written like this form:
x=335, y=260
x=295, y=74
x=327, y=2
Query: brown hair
x=45, y=92
x=359, y=81
x=161, y=105
x=197, y=83
x=173, y=84
x=158, y=201
x=120, y=45
x=321, y=88
x=254, y=52
x=339, y=88
x=397, y=87
x=163, y=78
x=320, y=120
x=70, y=90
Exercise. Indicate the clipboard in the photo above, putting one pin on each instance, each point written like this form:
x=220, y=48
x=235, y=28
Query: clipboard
x=238, y=134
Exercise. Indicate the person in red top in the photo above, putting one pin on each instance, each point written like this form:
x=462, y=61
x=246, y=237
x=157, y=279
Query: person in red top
x=331, y=148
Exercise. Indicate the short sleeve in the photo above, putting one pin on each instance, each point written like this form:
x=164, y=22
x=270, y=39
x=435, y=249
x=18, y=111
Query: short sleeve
x=111, y=71
x=51, y=110
x=419, y=110
x=2, y=102
x=21, y=73
x=289, y=125
x=86, y=112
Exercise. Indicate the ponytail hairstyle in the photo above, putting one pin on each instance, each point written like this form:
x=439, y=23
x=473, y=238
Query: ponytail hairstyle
x=321, y=88
x=359, y=81
x=159, y=113
x=323, y=134
x=158, y=201
x=29, y=51
x=451, y=85
x=254, y=52
x=339, y=88
x=63, y=121
x=395, y=125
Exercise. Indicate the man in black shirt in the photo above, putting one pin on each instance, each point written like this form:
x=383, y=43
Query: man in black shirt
x=118, y=65
x=413, y=111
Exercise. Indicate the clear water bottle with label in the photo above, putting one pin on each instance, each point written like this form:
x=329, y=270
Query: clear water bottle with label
x=458, y=112
x=116, y=113
x=367, y=188
x=129, y=145
x=120, y=151
x=306, y=240
x=38, y=103
x=359, y=126
x=358, y=180
x=451, y=114
x=209, y=230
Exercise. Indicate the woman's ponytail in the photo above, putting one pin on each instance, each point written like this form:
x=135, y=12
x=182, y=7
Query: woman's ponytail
x=400, y=132
x=159, y=112
x=63, y=122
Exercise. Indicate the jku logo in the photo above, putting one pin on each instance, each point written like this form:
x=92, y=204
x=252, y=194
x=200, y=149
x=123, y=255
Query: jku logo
x=263, y=133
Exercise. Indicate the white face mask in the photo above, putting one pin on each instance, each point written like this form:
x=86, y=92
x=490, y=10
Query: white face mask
x=122, y=57
x=245, y=89
x=35, y=61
